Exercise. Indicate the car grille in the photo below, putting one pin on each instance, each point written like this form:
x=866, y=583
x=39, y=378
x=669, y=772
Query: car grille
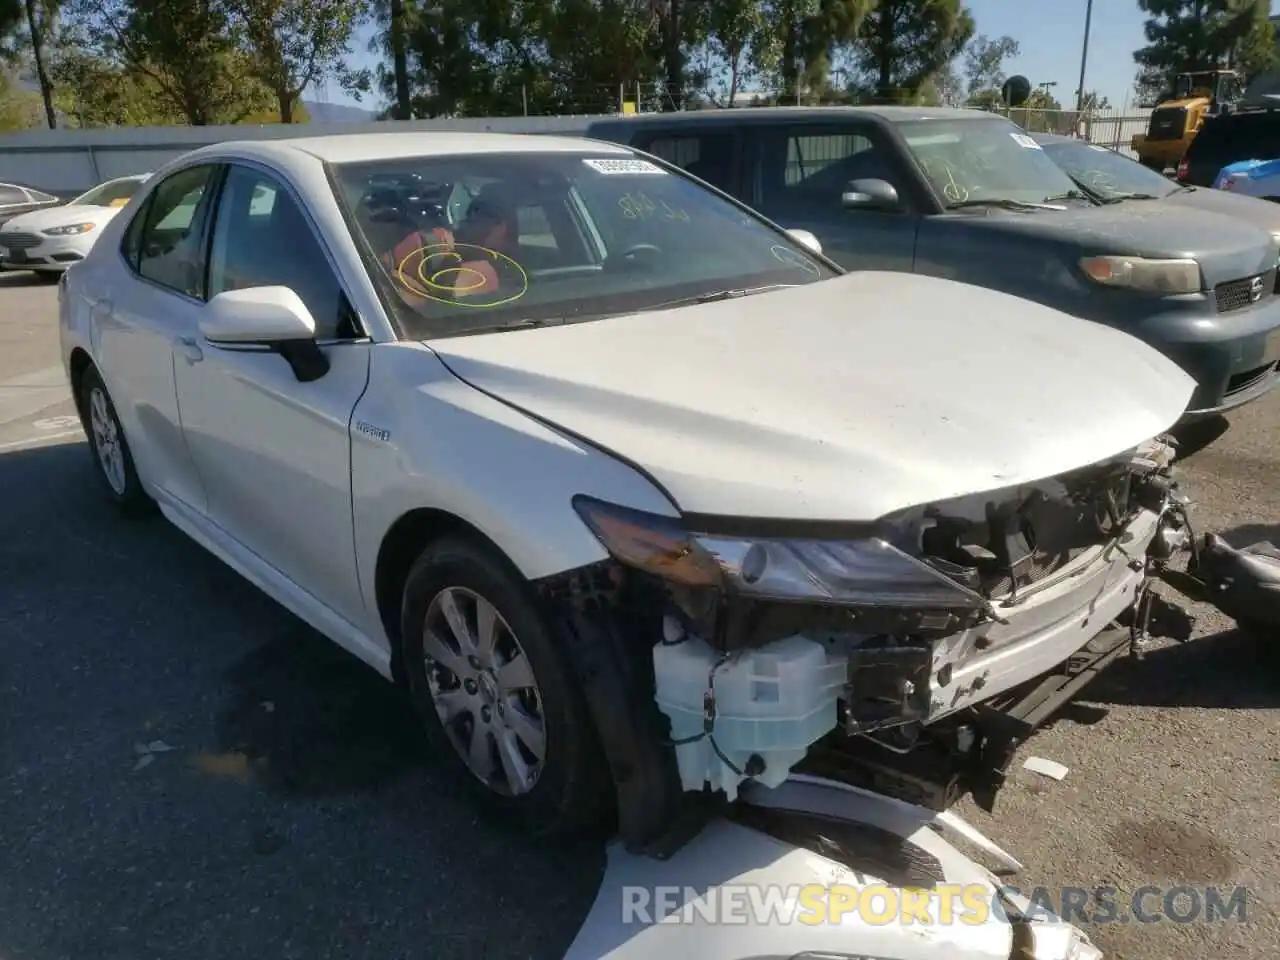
x=1168, y=123
x=1235, y=294
x=18, y=241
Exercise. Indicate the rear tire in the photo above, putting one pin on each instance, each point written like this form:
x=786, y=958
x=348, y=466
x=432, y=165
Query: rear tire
x=112, y=457
x=497, y=695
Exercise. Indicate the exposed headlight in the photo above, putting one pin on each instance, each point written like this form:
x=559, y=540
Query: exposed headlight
x=69, y=230
x=859, y=572
x=1139, y=273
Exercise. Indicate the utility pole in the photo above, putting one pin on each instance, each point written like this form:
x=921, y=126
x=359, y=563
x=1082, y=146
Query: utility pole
x=1084, y=55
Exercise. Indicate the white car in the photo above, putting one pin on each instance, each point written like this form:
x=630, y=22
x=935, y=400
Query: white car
x=49, y=241
x=632, y=490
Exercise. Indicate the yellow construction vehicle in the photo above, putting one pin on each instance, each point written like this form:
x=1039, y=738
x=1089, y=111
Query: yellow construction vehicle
x=1176, y=121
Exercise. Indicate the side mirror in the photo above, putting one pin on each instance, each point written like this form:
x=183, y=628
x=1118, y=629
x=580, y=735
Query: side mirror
x=273, y=317
x=869, y=195
x=805, y=238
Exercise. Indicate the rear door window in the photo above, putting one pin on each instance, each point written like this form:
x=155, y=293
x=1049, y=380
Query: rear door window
x=708, y=156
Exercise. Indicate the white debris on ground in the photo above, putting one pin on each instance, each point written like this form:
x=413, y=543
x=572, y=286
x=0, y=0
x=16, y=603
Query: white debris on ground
x=1046, y=768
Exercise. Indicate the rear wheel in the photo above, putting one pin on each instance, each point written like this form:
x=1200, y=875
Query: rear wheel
x=496, y=693
x=110, y=449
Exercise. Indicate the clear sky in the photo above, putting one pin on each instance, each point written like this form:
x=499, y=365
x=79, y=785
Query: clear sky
x=1049, y=32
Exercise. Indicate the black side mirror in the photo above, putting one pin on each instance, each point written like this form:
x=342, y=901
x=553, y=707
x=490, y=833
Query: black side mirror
x=869, y=195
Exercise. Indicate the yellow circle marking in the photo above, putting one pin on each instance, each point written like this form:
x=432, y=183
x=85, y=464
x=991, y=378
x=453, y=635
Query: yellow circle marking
x=428, y=285
x=791, y=258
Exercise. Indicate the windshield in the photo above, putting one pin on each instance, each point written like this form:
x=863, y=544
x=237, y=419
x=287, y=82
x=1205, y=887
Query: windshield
x=984, y=160
x=113, y=193
x=475, y=242
x=1107, y=173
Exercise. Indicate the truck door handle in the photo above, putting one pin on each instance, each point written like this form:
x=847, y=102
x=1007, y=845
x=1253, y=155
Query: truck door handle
x=189, y=349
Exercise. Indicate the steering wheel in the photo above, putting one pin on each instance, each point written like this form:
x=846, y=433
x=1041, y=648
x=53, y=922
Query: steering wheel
x=632, y=252
x=634, y=255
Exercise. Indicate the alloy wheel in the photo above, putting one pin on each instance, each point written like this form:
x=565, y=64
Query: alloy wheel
x=484, y=691
x=107, y=441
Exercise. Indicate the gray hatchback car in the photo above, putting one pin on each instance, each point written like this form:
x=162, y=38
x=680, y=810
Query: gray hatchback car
x=970, y=196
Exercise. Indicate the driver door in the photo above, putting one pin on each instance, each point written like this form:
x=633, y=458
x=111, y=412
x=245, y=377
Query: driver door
x=799, y=173
x=274, y=453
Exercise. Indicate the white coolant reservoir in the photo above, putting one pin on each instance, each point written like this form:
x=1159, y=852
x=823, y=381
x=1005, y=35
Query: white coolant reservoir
x=772, y=703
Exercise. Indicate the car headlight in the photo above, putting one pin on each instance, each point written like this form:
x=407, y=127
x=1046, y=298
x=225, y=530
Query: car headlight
x=867, y=572
x=69, y=230
x=1139, y=273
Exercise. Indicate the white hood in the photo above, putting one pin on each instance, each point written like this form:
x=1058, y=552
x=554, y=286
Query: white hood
x=840, y=400
x=63, y=216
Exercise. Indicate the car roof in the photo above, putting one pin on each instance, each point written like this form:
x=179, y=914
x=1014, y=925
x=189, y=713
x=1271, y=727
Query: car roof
x=369, y=147
x=892, y=114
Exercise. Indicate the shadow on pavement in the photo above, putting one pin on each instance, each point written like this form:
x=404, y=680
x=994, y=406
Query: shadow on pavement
x=1194, y=437
x=24, y=278
x=135, y=668
x=1231, y=670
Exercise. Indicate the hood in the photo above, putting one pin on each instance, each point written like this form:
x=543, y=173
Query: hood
x=1226, y=247
x=1262, y=214
x=61, y=217
x=840, y=400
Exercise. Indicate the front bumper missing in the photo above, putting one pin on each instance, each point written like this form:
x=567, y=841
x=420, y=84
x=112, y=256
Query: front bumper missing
x=1044, y=630
x=748, y=885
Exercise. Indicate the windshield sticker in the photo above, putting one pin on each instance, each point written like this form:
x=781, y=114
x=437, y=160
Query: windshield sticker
x=628, y=166
x=638, y=206
x=1024, y=141
x=462, y=275
x=793, y=258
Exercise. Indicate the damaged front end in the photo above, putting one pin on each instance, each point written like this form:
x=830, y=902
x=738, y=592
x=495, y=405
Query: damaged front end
x=743, y=652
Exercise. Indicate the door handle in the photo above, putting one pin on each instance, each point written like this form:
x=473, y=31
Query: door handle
x=189, y=349
x=103, y=305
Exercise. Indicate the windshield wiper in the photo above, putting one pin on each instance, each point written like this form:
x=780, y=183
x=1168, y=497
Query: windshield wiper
x=1137, y=196
x=1004, y=203
x=528, y=323
x=721, y=295
x=1069, y=195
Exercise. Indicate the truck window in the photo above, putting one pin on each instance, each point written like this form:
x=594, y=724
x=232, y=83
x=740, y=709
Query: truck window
x=708, y=156
x=803, y=170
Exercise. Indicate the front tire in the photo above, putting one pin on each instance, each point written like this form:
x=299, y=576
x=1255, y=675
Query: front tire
x=110, y=449
x=496, y=693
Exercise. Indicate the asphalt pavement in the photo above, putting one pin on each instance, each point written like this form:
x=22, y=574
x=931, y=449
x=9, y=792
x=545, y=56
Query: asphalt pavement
x=187, y=771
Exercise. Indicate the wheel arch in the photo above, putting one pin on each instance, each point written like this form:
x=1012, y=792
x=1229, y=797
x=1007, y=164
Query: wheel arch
x=77, y=364
x=401, y=546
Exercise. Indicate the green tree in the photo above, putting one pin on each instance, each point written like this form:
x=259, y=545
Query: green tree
x=732, y=26
x=984, y=74
x=290, y=44
x=93, y=92
x=1092, y=102
x=905, y=42
x=1185, y=35
x=186, y=49
x=799, y=39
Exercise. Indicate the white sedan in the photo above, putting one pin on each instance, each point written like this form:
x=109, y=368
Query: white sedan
x=544, y=429
x=49, y=241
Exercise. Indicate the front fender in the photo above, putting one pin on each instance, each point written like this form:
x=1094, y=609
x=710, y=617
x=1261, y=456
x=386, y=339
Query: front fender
x=421, y=438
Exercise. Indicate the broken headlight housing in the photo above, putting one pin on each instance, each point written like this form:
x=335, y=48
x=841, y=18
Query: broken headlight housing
x=861, y=572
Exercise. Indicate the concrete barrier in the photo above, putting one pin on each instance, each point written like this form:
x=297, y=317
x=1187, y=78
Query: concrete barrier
x=74, y=160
